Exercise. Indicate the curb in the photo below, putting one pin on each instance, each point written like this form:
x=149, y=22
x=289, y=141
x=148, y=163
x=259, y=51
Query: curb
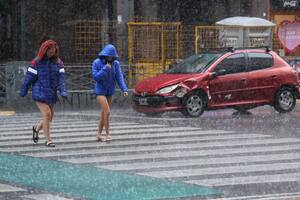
x=7, y=112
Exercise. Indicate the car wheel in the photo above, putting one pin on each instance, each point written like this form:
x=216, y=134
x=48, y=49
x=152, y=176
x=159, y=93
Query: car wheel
x=194, y=105
x=285, y=100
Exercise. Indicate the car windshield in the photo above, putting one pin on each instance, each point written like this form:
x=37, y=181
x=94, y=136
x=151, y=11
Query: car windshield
x=194, y=64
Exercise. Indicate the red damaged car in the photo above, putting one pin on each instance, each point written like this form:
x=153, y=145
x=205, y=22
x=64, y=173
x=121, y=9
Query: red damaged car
x=239, y=79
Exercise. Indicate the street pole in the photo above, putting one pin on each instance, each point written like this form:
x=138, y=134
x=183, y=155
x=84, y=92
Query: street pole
x=23, y=29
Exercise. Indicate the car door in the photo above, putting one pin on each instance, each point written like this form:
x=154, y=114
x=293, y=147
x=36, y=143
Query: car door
x=262, y=77
x=228, y=87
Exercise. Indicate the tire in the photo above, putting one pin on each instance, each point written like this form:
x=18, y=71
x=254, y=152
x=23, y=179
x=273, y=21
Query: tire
x=285, y=100
x=194, y=105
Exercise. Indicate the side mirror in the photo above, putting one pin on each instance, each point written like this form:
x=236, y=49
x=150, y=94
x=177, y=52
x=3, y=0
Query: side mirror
x=214, y=74
x=222, y=72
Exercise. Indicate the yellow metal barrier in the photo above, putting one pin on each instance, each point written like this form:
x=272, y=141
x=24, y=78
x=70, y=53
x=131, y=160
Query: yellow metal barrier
x=206, y=37
x=90, y=36
x=151, y=47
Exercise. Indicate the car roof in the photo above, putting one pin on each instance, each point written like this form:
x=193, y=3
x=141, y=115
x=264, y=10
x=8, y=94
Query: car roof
x=233, y=50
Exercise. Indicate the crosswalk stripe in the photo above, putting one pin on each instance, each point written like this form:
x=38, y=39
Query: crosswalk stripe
x=149, y=136
x=278, y=198
x=222, y=170
x=30, y=120
x=78, y=124
x=44, y=197
x=156, y=118
x=134, y=143
x=175, y=154
x=164, y=147
x=129, y=133
x=240, y=180
x=21, y=135
x=67, y=131
x=9, y=188
x=159, y=166
x=263, y=196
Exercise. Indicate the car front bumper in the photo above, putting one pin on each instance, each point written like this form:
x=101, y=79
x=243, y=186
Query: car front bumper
x=156, y=104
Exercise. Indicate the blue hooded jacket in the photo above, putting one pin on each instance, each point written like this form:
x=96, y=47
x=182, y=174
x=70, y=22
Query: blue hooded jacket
x=105, y=76
x=46, y=77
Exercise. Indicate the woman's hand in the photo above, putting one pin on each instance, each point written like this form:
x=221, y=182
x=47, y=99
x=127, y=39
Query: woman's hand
x=125, y=94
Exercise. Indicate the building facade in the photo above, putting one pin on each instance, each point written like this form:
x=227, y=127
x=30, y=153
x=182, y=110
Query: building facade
x=75, y=23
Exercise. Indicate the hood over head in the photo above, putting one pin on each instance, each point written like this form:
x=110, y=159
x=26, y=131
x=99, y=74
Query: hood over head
x=108, y=50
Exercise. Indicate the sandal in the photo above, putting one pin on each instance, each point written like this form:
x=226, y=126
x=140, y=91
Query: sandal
x=99, y=138
x=108, y=138
x=35, y=134
x=49, y=144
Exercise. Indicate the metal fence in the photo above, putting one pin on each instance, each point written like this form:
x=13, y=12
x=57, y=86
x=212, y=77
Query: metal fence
x=151, y=47
x=2, y=82
x=79, y=76
x=90, y=36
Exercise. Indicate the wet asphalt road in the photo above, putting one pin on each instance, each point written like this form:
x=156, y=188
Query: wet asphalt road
x=255, y=156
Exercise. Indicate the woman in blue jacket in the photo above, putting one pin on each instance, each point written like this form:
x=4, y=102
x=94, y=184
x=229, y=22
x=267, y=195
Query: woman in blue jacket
x=46, y=75
x=106, y=71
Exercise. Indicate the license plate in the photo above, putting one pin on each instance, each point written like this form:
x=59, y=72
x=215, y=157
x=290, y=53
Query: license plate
x=143, y=101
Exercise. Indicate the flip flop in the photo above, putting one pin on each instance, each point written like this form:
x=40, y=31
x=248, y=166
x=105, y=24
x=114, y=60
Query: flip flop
x=35, y=135
x=99, y=138
x=108, y=139
x=49, y=144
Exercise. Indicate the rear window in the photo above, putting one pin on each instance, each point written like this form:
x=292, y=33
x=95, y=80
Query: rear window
x=259, y=61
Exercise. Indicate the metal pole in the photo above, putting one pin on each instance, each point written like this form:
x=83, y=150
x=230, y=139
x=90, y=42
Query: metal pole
x=130, y=54
x=196, y=39
x=177, y=40
x=23, y=29
x=163, y=47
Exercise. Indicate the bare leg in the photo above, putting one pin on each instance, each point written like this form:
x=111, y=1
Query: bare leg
x=104, y=121
x=39, y=125
x=101, y=124
x=109, y=101
x=47, y=114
